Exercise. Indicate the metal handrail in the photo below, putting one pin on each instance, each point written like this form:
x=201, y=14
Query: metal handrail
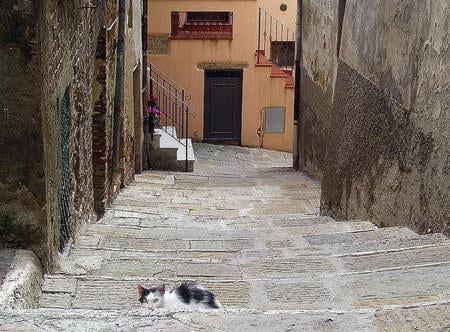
x=174, y=107
x=166, y=77
x=271, y=30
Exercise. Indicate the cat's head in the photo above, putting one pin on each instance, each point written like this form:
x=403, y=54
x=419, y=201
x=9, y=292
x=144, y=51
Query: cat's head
x=153, y=296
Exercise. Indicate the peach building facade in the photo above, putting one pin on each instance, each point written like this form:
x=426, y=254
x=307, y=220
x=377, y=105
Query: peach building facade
x=235, y=98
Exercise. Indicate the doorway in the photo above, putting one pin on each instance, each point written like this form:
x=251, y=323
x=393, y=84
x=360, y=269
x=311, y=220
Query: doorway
x=223, y=106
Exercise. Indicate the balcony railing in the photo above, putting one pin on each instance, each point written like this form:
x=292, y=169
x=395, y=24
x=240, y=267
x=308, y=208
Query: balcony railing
x=275, y=41
x=202, y=25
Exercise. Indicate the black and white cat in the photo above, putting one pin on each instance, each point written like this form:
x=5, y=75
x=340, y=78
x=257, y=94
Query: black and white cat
x=188, y=295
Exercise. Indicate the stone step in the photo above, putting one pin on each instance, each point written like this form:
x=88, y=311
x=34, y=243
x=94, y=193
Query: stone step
x=142, y=239
x=424, y=318
x=345, y=291
x=169, y=153
x=129, y=217
x=143, y=320
x=221, y=229
x=297, y=261
x=380, y=239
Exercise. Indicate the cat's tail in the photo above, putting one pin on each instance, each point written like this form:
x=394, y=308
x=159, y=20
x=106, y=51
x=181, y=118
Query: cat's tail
x=218, y=304
x=215, y=303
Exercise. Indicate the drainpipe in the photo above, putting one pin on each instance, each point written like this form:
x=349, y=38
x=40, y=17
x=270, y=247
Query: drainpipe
x=144, y=51
x=145, y=155
x=297, y=109
x=118, y=93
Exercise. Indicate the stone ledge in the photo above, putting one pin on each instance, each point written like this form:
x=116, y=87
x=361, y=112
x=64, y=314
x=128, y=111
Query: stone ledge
x=22, y=283
x=421, y=318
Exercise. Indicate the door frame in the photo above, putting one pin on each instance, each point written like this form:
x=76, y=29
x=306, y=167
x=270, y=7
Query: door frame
x=240, y=76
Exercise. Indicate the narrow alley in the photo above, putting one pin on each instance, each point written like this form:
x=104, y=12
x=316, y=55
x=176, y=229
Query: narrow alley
x=245, y=225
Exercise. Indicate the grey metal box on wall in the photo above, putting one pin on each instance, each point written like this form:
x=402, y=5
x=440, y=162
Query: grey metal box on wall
x=274, y=120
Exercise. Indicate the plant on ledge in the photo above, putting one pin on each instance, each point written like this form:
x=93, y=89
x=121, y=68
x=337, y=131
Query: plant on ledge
x=153, y=114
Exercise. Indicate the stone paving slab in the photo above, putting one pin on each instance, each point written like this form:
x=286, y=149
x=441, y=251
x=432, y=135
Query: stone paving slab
x=428, y=318
x=287, y=267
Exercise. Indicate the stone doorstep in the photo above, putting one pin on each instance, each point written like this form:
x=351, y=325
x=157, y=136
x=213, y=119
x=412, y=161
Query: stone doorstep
x=22, y=281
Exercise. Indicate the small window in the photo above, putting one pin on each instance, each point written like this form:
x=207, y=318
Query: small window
x=202, y=25
x=208, y=17
x=274, y=120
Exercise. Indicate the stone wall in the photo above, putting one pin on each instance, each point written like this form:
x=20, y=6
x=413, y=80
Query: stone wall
x=319, y=63
x=387, y=133
x=68, y=50
x=22, y=183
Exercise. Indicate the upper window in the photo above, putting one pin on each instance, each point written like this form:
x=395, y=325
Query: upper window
x=208, y=17
x=202, y=25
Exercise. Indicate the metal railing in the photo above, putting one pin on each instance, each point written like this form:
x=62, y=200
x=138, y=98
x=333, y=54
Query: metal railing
x=173, y=102
x=275, y=41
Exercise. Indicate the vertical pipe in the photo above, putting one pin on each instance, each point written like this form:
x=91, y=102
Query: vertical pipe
x=117, y=117
x=145, y=90
x=144, y=48
x=297, y=109
x=259, y=35
x=182, y=130
x=187, y=133
x=265, y=32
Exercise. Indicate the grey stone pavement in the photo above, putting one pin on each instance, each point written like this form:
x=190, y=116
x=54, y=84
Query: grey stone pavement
x=247, y=226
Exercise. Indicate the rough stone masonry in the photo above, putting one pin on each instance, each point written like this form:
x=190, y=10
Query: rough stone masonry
x=375, y=95
x=57, y=63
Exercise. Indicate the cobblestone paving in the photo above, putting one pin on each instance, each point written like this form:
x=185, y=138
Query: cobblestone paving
x=245, y=225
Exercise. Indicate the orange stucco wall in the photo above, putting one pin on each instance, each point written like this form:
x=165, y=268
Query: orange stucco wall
x=185, y=59
x=287, y=17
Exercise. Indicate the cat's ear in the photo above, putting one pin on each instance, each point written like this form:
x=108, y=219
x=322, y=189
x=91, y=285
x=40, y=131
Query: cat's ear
x=141, y=290
x=161, y=289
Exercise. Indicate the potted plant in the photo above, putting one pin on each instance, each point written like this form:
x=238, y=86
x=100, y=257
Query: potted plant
x=153, y=114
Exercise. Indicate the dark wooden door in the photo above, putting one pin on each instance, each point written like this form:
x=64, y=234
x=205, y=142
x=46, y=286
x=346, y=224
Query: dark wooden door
x=223, y=106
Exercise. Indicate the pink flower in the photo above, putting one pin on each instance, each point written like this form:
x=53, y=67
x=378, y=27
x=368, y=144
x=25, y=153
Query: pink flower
x=153, y=111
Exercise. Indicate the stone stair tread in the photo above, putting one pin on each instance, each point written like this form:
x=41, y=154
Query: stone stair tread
x=380, y=239
x=181, y=154
x=169, y=152
x=431, y=318
x=374, y=290
x=275, y=263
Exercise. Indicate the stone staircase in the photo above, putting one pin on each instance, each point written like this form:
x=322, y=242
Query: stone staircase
x=169, y=153
x=244, y=225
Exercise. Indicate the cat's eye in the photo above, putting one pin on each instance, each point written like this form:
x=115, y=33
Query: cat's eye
x=155, y=300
